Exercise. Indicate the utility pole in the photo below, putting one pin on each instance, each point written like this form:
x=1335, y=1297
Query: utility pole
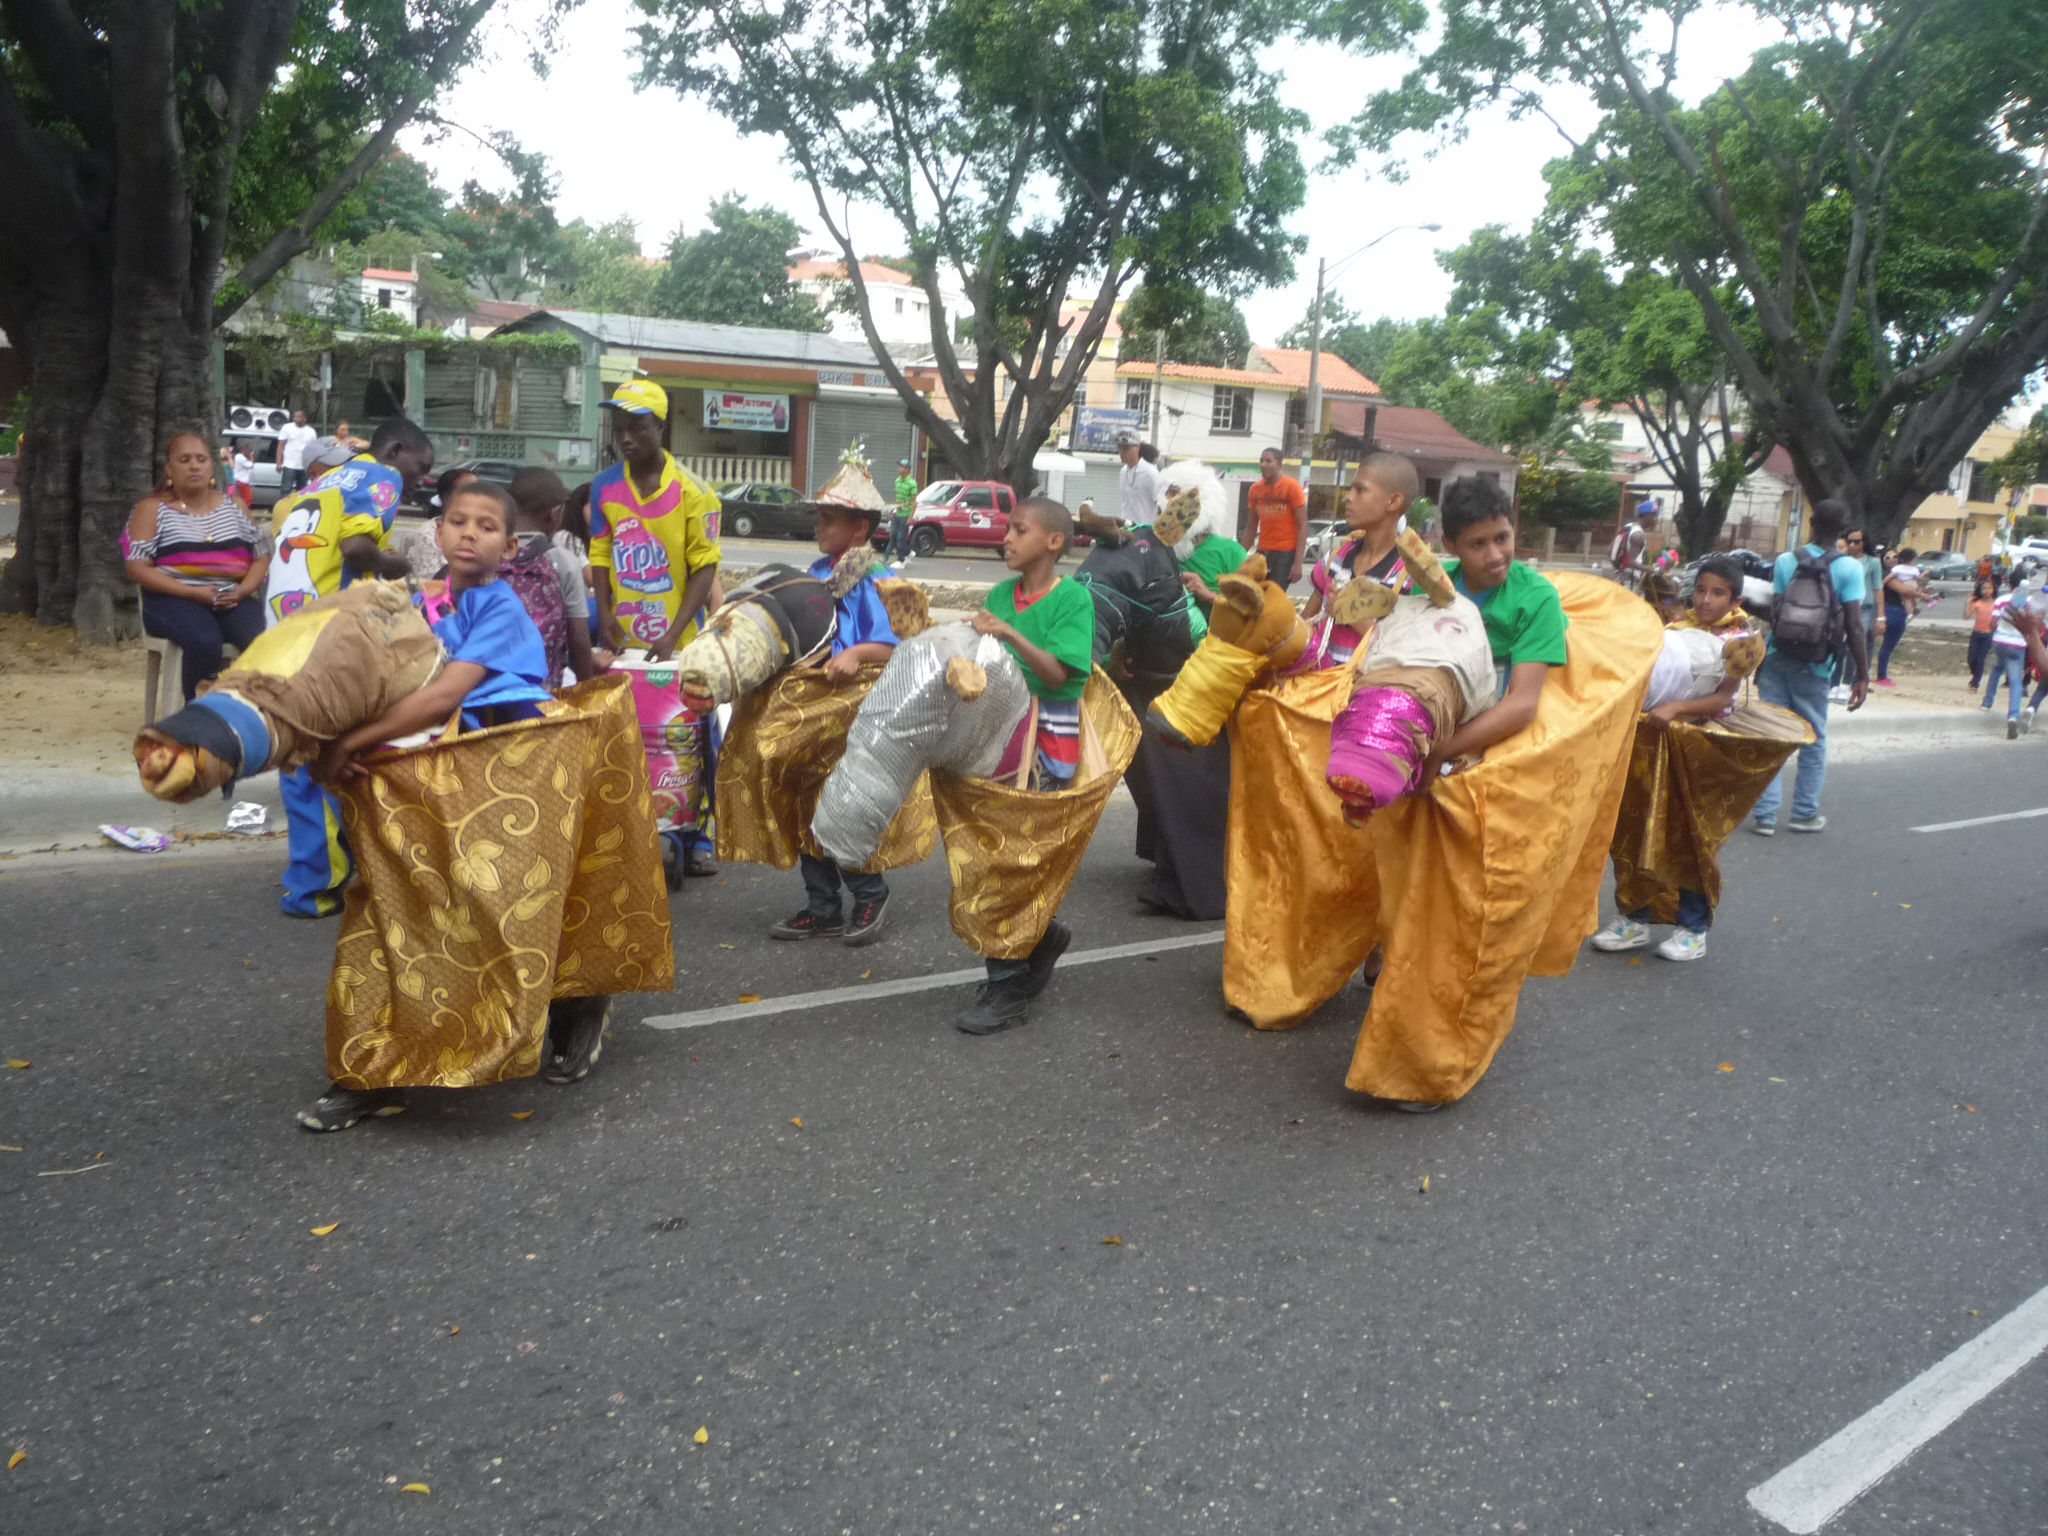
x=1158, y=383
x=1314, y=415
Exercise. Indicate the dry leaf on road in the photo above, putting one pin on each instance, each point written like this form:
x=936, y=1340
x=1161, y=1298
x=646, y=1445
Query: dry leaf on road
x=323, y=1231
x=701, y=1436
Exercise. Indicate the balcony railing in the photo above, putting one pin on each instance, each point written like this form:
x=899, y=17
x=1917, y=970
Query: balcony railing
x=725, y=468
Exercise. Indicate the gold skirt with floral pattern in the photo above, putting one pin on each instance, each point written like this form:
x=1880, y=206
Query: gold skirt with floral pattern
x=495, y=871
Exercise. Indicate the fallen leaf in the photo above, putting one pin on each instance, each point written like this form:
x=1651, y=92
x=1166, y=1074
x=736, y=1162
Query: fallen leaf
x=728, y=946
x=454, y=1328
x=1971, y=1108
x=415, y=1488
x=522, y=1114
x=11, y=1149
x=1726, y=1066
x=797, y=1121
x=1112, y=1242
x=701, y=1436
x=864, y=975
x=1635, y=959
x=16, y=1460
x=1906, y=905
x=1425, y=1185
x=1777, y=1079
x=19, y=1066
x=750, y=997
x=323, y=1231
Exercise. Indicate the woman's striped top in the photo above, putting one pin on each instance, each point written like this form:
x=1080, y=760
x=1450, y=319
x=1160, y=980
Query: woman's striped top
x=211, y=548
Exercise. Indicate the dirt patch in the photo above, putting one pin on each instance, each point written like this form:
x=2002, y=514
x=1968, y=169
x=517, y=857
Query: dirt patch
x=65, y=705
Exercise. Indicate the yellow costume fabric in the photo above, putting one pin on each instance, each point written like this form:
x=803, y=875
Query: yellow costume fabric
x=784, y=741
x=495, y=872
x=1304, y=907
x=1689, y=785
x=1495, y=872
x=1013, y=852
x=1210, y=683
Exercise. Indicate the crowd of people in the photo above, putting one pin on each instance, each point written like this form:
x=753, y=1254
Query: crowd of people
x=1410, y=779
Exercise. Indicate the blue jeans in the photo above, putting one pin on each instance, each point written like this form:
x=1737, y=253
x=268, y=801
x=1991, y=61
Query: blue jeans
x=316, y=848
x=899, y=538
x=822, y=878
x=1894, y=632
x=2011, y=665
x=1792, y=685
x=1693, y=911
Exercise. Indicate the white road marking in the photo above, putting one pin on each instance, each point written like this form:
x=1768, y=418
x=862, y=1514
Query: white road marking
x=1820, y=1484
x=828, y=996
x=1980, y=821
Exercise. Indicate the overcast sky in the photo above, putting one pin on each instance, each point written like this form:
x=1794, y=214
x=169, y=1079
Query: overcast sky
x=582, y=114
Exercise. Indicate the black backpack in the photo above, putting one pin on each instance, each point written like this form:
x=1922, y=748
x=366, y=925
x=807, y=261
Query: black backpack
x=1806, y=618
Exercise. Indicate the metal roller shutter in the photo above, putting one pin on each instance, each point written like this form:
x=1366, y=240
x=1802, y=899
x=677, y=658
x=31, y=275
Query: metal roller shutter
x=879, y=424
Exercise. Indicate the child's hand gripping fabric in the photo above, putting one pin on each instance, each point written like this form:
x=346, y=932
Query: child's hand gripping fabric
x=1254, y=628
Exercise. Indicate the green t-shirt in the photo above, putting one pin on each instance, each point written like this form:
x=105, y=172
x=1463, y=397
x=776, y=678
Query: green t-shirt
x=1061, y=621
x=906, y=492
x=1524, y=616
x=1214, y=558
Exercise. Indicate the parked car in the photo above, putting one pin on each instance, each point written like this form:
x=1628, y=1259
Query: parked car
x=752, y=509
x=499, y=470
x=972, y=514
x=1948, y=566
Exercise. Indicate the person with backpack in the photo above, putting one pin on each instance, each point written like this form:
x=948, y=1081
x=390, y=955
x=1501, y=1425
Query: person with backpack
x=548, y=579
x=1814, y=591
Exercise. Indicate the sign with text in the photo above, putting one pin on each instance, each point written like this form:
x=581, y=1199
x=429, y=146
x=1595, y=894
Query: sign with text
x=731, y=411
x=1096, y=427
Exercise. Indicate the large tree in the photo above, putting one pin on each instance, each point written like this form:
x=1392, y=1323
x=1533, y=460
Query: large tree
x=1365, y=344
x=1032, y=149
x=1214, y=335
x=1859, y=216
x=736, y=271
x=151, y=145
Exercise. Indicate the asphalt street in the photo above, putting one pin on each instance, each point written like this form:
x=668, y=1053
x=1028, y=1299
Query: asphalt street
x=983, y=565
x=1694, y=1221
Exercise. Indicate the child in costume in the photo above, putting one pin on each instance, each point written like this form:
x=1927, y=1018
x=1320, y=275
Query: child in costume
x=495, y=675
x=335, y=531
x=1695, y=770
x=539, y=561
x=1382, y=490
x=654, y=558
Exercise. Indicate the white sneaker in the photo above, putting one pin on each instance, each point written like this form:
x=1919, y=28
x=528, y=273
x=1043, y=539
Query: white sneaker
x=1684, y=945
x=2027, y=720
x=1839, y=694
x=1622, y=933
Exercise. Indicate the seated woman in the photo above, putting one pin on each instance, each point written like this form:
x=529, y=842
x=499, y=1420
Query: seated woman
x=199, y=561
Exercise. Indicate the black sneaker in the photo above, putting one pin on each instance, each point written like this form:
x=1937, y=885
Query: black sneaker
x=808, y=925
x=864, y=926
x=1045, y=955
x=998, y=1005
x=580, y=1040
x=339, y=1108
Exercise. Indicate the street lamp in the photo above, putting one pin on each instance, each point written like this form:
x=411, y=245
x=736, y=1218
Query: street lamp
x=1314, y=416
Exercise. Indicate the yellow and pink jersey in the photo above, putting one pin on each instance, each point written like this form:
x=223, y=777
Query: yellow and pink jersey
x=651, y=546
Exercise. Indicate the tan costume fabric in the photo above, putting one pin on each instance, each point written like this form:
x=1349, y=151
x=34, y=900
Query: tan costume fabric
x=494, y=873
x=1495, y=873
x=1689, y=785
x=781, y=746
x=1014, y=852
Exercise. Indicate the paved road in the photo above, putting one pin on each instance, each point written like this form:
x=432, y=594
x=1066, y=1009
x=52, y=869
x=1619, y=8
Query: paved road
x=1636, y=1286
x=983, y=565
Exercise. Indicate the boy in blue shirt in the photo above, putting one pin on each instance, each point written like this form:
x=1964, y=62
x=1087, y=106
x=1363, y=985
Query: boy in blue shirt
x=1802, y=686
x=863, y=634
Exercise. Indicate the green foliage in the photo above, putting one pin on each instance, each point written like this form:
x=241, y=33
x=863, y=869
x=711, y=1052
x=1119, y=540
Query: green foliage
x=511, y=245
x=2022, y=465
x=2030, y=527
x=398, y=194
x=1213, y=335
x=1365, y=345
x=736, y=272
x=1557, y=494
x=602, y=269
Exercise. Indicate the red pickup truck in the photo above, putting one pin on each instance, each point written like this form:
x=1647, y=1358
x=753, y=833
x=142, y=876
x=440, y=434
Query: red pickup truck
x=973, y=514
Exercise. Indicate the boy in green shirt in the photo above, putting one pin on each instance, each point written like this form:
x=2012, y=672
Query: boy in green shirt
x=1048, y=624
x=1523, y=614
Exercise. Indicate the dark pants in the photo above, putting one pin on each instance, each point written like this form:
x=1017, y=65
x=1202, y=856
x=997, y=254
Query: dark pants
x=1980, y=647
x=201, y=631
x=1279, y=565
x=289, y=480
x=1842, y=657
x=899, y=538
x=1894, y=632
x=1693, y=912
x=822, y=879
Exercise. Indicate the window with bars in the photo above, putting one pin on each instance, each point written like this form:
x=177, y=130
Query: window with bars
x=1138, y=397
x=1231, y=410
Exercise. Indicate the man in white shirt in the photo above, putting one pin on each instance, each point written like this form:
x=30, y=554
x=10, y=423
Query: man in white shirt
x=292, y=445
x=1142, y=490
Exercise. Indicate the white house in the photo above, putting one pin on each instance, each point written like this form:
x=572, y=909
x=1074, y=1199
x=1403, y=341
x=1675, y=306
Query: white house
x=901, y=307
x=385, y=290
x=1756, y=512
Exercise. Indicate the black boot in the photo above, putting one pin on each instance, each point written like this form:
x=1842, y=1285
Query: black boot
x=1000, y=1003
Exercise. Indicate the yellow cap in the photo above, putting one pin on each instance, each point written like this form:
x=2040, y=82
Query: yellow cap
x=640, y=397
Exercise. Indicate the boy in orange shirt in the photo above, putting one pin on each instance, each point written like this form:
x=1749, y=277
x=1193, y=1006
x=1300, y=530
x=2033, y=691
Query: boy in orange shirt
x=1276, y=511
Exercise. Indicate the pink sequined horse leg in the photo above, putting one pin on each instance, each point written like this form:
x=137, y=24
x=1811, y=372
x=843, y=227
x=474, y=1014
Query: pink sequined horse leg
x=1377, y=747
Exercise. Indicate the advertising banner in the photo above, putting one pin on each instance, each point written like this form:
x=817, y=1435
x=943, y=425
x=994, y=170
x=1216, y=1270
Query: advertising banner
x=735, y=412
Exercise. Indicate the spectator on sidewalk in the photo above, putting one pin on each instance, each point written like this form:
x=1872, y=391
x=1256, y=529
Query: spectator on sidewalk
x=1857, y=542
x=1803, y=578
x=1903, y=596
x=2008, y=656
x=1983, y=611
x=1142, y=493
x=294, y=442
x=1276, y=513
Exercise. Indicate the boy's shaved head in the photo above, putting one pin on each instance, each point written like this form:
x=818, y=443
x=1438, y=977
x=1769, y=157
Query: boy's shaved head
x=1051, y=516
x=1392, y=473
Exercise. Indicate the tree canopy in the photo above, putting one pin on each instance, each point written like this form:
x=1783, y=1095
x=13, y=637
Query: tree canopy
x=1858, y=216
x=1214, y=335
x=736, y=271
x=1035, y=150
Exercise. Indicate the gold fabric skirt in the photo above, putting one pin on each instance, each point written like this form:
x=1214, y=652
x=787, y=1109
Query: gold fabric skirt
x=782, y=744
x=1013, y=852
x=1304, y=892
x=495, y=872
x=1689, y=785
x=1495, y=873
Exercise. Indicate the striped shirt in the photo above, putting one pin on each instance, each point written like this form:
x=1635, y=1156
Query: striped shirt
x=213, y=548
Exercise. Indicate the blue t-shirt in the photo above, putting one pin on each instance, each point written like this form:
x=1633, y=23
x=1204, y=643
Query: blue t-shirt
x=1846, y=571
x=862, y=617
x=488, y=625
